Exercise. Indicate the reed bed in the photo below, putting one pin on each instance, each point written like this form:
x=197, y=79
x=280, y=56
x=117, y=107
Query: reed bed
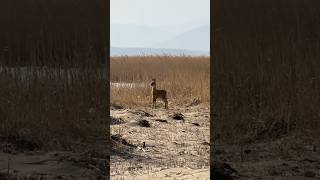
x=53, y=108
x=53, y=72
x=265, y=68
x=185, y=79
x=55, y=33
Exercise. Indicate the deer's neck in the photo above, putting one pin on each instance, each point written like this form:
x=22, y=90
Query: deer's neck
x=154, y=88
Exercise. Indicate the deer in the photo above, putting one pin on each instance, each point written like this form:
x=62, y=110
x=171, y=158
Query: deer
x=157, y=93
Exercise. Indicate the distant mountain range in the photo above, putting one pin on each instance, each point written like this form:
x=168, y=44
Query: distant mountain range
x=187, y=26
x=195, y=39
x=131, y=35
x=119, y=51
x=191, y=38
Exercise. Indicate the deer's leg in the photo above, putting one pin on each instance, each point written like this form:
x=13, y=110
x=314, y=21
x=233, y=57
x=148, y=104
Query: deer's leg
x=166, y=103
x=154, y=103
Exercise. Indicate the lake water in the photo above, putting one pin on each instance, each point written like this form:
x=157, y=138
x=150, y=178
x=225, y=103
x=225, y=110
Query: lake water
x=127, y=85
x=25, y=75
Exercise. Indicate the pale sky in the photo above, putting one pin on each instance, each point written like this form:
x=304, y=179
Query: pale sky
x=158, y=12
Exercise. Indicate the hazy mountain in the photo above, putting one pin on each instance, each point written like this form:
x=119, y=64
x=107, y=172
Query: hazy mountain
x=195, y=39
x=131, y=35
x=193, y=35
x=186, y=26
x=117, y=51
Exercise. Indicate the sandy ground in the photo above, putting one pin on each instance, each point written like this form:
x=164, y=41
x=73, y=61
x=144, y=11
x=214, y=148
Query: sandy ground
x=171, y=173
x=85, y=163
x=286, y=158
x=173, y=148
x=43, y=165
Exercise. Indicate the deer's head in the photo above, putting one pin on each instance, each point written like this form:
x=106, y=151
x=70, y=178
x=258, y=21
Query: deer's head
x=153, y=82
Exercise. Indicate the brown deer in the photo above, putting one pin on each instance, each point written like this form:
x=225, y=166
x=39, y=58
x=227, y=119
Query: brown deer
x=157, y=93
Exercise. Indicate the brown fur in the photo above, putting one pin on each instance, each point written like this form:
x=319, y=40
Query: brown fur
x=156, y=93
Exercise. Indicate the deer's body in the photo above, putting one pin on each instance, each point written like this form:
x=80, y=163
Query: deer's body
x=158, y=94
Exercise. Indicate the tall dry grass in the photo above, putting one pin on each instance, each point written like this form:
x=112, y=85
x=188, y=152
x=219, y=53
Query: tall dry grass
x=185, y=78
x=265, y=67
x=46, y=32
x=53, y=108
x=53, y=72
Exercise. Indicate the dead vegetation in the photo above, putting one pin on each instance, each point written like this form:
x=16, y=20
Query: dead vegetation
x=265, y=68
x=266, y=86
x=185, y=79
x=164, y=138
x=53, y=76
x=52, y=79
x=50, y=110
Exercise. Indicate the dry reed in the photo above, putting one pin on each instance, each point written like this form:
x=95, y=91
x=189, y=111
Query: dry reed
x=53, y=62
x=265, y=67
x=185, y=78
